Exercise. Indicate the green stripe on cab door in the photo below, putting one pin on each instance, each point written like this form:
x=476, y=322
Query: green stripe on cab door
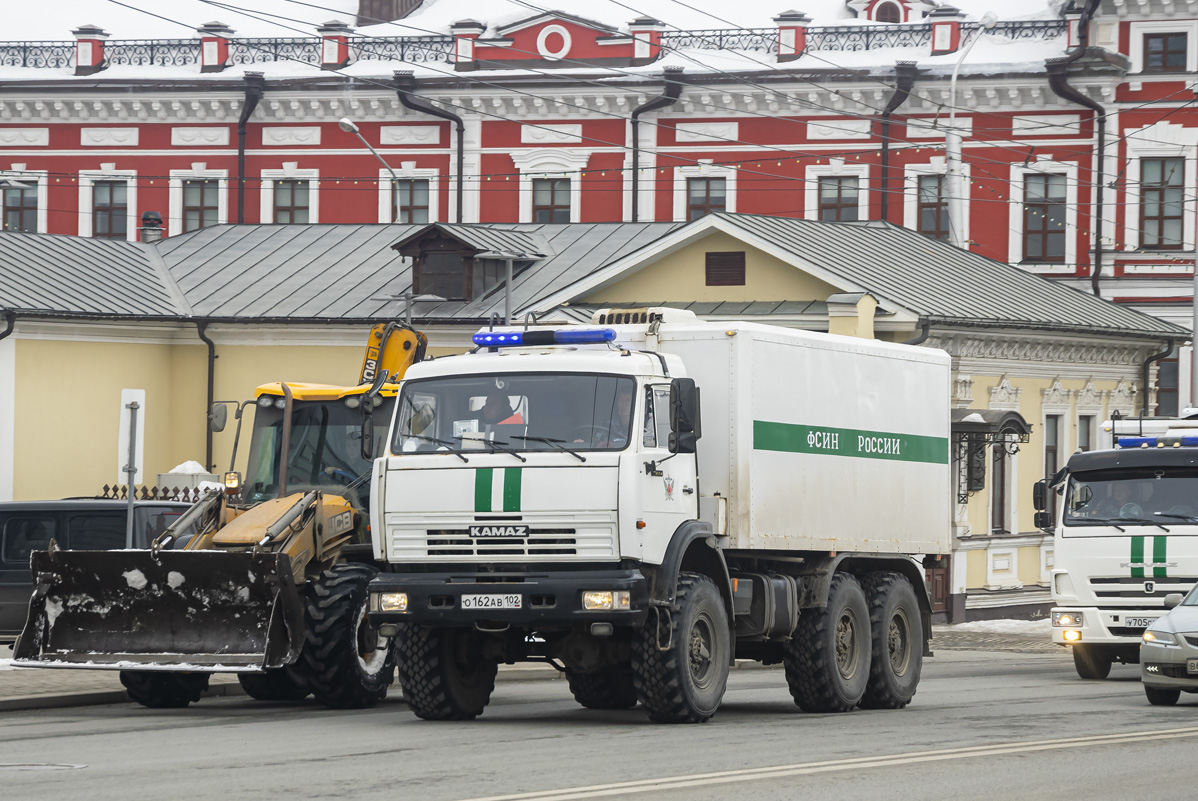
x=483, y=477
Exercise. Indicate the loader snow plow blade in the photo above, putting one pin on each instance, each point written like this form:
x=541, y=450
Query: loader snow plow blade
x=167, y=610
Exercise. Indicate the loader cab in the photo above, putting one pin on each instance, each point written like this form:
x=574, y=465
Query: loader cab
x=325, y=448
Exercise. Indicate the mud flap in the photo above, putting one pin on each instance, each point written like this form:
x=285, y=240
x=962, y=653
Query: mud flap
x=167, y=610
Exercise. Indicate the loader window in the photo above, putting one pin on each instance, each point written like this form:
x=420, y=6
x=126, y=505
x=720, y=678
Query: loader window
x=24, y=535
x=522, y=411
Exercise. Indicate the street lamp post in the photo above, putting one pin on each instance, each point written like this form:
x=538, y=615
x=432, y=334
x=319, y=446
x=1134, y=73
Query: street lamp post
x=952, y=145
x=349, y=126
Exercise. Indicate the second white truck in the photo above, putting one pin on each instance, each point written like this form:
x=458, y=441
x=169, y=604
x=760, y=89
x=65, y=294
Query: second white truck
x=563, y=495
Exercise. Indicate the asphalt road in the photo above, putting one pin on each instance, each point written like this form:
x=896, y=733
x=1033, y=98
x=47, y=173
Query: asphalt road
x=983, y=726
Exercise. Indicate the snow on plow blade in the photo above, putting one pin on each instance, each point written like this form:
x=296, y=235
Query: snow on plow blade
x=170, y=609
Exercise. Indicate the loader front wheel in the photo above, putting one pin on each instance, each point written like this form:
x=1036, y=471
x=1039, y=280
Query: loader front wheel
x=346, y=663
x=164, y=690
x=279, y=684
x=443, y=673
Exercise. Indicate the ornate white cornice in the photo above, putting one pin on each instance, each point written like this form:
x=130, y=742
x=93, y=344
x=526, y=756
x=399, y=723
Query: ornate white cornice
x=1056, y=395
x=1042, y=355
x=1004, y=396
x=1089, y=398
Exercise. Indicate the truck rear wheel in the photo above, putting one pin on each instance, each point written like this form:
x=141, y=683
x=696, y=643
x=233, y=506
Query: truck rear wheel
x=686, y=682
x=1091, y=662
x=278, y=684
x=163, y=689
x=346, y=664
x=443, y=674
x=827, y=658
x=896, y=657
x=610, y=688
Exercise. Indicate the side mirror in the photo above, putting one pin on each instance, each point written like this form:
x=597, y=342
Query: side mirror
x=1173, y=599
x=1043, y=521
x=685, y=422
x=368, y=438
x=218, y=415
x=1040, y=495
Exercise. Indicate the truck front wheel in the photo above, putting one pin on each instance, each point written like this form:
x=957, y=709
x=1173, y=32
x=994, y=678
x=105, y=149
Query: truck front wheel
x=897, y=652
x=1092, y=662
x=680, y=658
x=827, y=658
x=443, y=674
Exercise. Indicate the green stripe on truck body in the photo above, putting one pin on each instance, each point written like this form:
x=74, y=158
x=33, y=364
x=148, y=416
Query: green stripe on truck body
x=483, y=477
x=852, y=442
x=511, y=488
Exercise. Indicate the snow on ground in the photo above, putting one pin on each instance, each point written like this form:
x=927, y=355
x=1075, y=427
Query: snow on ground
x=1019, y=627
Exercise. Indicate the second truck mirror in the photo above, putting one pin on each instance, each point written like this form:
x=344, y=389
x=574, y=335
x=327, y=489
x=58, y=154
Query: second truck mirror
x=218, y=416
x=685, y=426
x=1040, y=495
x=368, y=438
x=1043, y=521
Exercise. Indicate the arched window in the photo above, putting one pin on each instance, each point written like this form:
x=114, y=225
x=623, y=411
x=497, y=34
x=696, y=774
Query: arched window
x=887, y=12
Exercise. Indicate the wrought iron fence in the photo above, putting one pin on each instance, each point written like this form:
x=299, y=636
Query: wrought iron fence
x=153, y=52
x=877, y=37
x=761, y=40
x=260, y=51
x=408, y=48
x=37, y=55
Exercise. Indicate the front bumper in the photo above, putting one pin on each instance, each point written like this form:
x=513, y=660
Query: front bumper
x=1164, y=666
x=547, y=599
x=1105, y=626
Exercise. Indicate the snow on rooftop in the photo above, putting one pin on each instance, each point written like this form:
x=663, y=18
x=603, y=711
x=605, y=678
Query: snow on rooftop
x=178, y=19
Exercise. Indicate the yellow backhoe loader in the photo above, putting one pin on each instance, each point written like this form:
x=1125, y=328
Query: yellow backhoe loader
x=265, y=578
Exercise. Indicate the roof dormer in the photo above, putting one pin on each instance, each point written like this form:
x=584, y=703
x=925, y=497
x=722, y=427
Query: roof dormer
x=556, y=39
x=883, y=12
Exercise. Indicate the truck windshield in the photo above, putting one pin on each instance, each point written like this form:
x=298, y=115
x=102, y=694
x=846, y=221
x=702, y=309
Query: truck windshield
x=1133, y=496
x=515, y=411
x=325, y=451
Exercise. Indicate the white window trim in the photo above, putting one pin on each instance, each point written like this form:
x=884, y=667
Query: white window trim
x=198, y=171
x=1138, y=29
x=935, y=166
x=1161, y=140
x=408, y=171
x=836, y=169
x=543, y=162
x=88, y=178
x=1009, y=490
x=703, y=169
x=42, y=177
x=290, y=172
x=1015, y=243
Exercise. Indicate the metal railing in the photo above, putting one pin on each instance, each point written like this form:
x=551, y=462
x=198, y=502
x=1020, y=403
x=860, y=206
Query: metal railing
x=37, y=55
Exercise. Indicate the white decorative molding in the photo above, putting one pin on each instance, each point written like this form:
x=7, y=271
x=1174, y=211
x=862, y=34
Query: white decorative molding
x=543, y=42
x=42, y=179
x=551, y=134
x=836, y=168
x=1046, y=125
x=290, y=172
x=107, y=172
x=427, y=135
x=1043, y=166
x=544, y=162
x=1002, y=568
x=962, y=392
x=1057, y=395
x=936, y=165
x=1161, y=140
x=109, y=137
x=279, y=136
x=1005, y=348
x=937, y=128
x=1004, y=396
x=1186, y=26
x=199, y=171
x=839, y=129
x=199, y=137
x=408, y=171
x=706, y=132
x=1089, y=399
x=24, y=137
x=703, y=169
x=1123, y=399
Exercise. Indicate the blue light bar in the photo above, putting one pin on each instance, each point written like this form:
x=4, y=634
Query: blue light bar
x=1157, y=442
x=502, y=339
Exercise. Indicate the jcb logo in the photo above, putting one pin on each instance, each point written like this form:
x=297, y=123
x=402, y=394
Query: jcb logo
x=342, y=522
x=371, y=365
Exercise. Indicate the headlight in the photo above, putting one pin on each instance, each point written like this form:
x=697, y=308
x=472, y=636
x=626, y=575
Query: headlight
x=1067, y=619
x=1160, y=637
x=604, y=600
x=232, y=483
x=391, y=602
x=1072, y=635
x=281, y=403
x=265, y=401
x=353, y=402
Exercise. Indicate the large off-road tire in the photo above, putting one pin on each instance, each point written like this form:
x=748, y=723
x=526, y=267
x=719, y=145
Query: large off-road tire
x=279, y=684
x=610, y=688
x=896, y=655
x=443, y=673
x=158, y=689
x=827, y=658
x=346, y=664
x=1161, y=696
x=1091, y=662
x=686, y=682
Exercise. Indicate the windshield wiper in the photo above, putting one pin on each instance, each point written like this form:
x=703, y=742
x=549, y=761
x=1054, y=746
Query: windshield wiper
x=1138, y=520
x=1109, y=521
x=1187, y=518
x=496, y=446
x=557, y=443
x=436, y=441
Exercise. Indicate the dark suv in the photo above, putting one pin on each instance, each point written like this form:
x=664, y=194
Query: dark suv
x=87, y=525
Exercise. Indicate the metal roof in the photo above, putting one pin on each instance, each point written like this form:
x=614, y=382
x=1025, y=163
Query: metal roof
x=489, y=240
x=944, y=283
x=55, y=274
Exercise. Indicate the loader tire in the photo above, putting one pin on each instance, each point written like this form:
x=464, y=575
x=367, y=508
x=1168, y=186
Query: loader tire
x=610, y=688
x=686, y=682
x=346, y=664
x=827, y=658
x=896, y=626
x=279, y=684
x=156, y=689
x=443, y=674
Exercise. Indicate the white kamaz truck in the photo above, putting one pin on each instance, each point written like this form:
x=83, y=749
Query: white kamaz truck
x=1125, y=535
x=563, y=495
